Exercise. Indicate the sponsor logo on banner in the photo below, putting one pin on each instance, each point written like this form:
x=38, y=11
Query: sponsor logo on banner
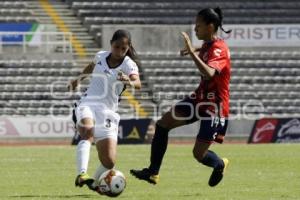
x=258, y=35
x=49, y=128
x=133, y=130
x=32, y=36
x=7, y=128
x=275, y=130
x=34, y=127
x=263, y=131
x=289, y=131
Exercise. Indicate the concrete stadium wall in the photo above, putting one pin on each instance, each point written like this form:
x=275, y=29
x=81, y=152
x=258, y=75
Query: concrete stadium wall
x=149, y=37
x=159, y=38
x=61, y=127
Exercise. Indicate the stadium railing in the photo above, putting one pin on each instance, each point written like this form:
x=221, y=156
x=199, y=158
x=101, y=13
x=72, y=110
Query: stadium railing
x=47, y=40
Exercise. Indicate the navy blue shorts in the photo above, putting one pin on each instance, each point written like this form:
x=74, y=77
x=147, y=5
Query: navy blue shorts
x=210, y=126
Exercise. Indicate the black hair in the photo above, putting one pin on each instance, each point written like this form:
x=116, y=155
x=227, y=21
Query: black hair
x=214, y=16
x=131, y=51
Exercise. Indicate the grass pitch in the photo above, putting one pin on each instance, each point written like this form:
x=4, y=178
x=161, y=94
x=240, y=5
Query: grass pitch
x=256, y=172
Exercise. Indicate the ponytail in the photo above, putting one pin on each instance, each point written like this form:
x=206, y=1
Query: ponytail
x=131, y=53
x=220, y=14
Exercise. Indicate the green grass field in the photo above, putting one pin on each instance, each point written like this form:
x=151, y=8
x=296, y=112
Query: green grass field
x=255, y=172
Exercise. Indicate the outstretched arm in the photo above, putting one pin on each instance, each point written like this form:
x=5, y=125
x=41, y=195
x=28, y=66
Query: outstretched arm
x=204, y=69
x=86, y=71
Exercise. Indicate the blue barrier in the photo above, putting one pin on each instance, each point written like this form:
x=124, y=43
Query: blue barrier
x=16, y=27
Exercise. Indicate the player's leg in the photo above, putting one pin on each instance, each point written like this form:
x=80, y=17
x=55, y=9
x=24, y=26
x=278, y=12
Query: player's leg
x=107, y=153
x=159, y=144
x=158, y=148
x=176, y=117
x=207, y=157
x=106, y=139
x=85, y=127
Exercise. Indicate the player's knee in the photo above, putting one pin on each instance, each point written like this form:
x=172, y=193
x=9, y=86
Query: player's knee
x=162, y=123
x=86, y=135
x=85, y=128
x=86, y=124
x=198, y=156
x=86, y=132
x=165, y=124
x=170, y=121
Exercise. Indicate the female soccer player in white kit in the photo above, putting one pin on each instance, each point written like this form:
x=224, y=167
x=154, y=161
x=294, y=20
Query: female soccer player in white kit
x=96, y=113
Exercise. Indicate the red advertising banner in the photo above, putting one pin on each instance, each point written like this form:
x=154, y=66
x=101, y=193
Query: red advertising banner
x=268, y=130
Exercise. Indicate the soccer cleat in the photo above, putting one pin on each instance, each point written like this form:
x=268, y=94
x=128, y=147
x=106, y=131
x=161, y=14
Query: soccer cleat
x=84, y=179
x=145, y=175
x=217, y=174
x=96, y=189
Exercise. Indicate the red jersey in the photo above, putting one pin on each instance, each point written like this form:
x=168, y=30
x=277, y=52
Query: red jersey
x=215, y=91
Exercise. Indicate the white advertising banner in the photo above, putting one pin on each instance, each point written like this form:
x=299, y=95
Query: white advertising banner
x=36, y=127
x=259, y=35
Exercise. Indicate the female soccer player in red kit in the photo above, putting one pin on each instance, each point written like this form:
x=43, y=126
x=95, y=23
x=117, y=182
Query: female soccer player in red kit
x=209, y=102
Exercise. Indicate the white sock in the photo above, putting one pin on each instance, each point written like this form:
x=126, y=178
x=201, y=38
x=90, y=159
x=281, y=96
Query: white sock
x=83, y=156
x=100, y=170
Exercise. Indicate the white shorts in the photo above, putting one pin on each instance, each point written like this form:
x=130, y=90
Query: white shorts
x=106, y=121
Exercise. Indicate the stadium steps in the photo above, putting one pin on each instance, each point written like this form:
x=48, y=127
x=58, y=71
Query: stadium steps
x=73, y=23
x=45, y=76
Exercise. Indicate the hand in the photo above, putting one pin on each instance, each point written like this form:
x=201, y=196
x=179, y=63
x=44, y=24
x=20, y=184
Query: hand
x=122, y=77
x=72, y=85
x=184, y=52
x=219, y=138
x=188, y=45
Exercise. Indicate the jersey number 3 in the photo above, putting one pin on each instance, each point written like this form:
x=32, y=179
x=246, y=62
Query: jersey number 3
x=108, y=123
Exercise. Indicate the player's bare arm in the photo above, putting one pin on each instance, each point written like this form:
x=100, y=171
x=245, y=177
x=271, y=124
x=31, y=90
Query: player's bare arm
x=204, y=69
x=132, y=80
x=87, y=70
x=184, y=52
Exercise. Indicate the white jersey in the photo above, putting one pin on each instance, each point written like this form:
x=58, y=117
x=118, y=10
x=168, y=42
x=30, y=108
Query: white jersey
x=104, y=89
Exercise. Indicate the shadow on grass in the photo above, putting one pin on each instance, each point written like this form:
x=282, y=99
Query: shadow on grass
x=191, y=195
x=79, y=196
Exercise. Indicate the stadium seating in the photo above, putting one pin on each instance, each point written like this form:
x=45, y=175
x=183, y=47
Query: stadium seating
x=26, y=86
x=38, y=87
x=16, y=11
x=267, y=79
x=95, y=13
x=270, y=82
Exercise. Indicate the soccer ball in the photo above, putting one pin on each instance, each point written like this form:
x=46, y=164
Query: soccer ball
x=112, y=183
